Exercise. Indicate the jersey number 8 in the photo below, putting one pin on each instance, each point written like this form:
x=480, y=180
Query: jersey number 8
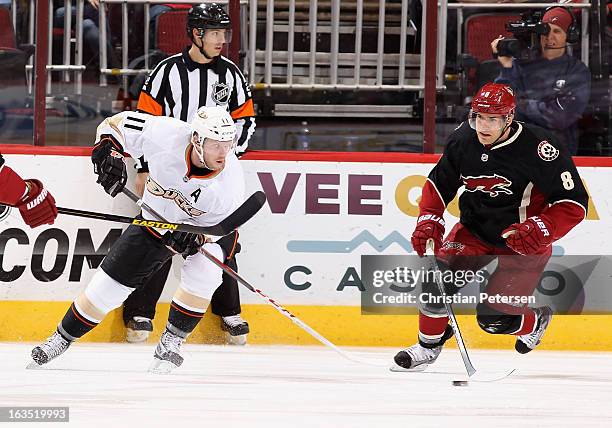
x=566, y=178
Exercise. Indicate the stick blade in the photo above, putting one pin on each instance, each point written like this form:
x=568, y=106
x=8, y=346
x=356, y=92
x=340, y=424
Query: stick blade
x=490, y=377
x=243, y=213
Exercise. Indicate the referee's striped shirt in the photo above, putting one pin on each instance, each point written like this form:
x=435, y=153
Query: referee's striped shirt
x=178, y=86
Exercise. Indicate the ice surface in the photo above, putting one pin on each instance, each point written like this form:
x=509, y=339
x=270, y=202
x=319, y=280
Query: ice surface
x=269, y=386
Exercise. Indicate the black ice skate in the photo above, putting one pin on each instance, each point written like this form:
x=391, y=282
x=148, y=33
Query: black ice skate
x=138, y=329
x=528, y=342
x=167, y=353
x=55, y=346
x=236, y=329
x=419, y=356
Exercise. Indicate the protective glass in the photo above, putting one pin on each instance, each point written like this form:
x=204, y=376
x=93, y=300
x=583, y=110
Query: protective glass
x=486, y=121
x=214, y=147
x=218, y=35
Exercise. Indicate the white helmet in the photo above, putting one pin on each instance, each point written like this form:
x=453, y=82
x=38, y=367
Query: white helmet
x=214, y=123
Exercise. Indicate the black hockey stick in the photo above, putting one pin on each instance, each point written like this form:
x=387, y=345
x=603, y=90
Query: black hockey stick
x=241, y=215
x=212, y=230
x=244, y=212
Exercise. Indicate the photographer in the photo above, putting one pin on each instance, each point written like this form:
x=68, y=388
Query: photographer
x=553, y=89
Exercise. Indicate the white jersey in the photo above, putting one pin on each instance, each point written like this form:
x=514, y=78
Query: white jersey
x=171, y=189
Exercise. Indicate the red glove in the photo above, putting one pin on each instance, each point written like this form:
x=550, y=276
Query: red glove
x=429, y=226
x=529, y=237
x=38, y=206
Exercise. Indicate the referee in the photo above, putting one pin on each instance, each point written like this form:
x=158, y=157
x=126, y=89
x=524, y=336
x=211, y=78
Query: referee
x=177, y=87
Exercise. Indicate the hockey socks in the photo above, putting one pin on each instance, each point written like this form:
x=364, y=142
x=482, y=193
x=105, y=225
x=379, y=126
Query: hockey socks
x=431, y=329
x=187, y=309
x=75, y=324
x=183, y=318
x=529, y=321
x=102, y=295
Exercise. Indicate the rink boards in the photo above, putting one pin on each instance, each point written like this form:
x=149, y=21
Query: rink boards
x=303, y=249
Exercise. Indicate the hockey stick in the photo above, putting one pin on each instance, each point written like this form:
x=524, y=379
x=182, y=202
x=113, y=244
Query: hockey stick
x=241, y=215
x=285, y=312
x=244, y=212
x=266, y=298
x=469, y=367
x=217, y=230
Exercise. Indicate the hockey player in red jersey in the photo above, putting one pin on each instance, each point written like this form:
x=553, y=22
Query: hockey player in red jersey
x=35, y=203
x=522, y=192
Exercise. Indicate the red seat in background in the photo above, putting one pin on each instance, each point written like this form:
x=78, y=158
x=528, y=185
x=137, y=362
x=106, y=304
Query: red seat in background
x=171, y=36
x=7, y=35
x=481, y=29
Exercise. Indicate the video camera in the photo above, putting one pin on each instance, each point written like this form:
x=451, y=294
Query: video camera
x=526, y=42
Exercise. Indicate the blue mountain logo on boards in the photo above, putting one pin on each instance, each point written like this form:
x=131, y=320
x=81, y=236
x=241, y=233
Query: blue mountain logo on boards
x=345, y=247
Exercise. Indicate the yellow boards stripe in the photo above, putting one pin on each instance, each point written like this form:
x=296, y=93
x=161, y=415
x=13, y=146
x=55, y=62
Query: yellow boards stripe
x=343, y=325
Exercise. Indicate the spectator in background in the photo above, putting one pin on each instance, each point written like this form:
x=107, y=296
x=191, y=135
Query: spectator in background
x=91, y=32
x=415, y=12
x=553, y=90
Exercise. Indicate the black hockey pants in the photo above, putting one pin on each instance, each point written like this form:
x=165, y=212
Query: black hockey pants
x=225, y=301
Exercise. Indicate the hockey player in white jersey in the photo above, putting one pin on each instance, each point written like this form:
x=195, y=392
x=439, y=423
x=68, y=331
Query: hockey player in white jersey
x=194, y=178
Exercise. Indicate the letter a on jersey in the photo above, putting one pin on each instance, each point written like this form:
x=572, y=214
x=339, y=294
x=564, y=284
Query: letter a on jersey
x=195, y=195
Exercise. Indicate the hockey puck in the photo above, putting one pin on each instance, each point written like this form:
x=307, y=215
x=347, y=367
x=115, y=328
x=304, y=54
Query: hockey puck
x=460, y=383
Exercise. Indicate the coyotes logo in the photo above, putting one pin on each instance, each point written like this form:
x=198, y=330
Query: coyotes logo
x=492, y=185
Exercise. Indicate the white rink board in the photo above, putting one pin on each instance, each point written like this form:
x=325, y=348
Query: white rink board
x=296, y=237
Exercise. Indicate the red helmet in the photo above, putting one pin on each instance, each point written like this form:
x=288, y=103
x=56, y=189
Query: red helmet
x=494, y=98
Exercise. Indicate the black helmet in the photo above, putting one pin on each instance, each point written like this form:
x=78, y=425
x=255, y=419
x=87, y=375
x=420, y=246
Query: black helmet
x=207, y=16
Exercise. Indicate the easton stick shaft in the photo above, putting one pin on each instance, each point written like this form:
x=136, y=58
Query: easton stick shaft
x=241, y=215
x=210, y=230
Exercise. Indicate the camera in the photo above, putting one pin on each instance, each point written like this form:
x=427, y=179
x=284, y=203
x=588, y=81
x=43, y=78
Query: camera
x=526, y=42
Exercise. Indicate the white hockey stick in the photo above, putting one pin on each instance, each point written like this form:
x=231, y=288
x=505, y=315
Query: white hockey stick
x=286, y=313
x=469, y=367
x=267, y=299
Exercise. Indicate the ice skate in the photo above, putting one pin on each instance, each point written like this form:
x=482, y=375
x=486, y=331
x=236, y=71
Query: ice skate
x=419, y=356
x=138, y=329
x=528, y=342
x=236, y=330
x=55, y=346
x=167, y=355
x=415, y=358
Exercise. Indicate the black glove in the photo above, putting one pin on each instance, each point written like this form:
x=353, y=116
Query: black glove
x=108, y=163
x=184, y=243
